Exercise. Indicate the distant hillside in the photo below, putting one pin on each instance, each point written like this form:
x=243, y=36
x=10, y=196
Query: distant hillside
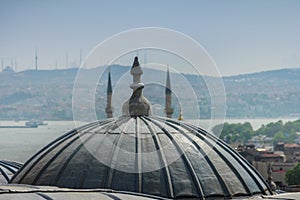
x=47, y=94
x=280, y=74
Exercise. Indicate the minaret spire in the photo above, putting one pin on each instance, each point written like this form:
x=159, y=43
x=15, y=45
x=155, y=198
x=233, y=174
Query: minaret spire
x=168, y=107
x=109, y=109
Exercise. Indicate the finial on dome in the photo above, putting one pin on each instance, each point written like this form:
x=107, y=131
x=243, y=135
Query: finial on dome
x=137, y=105
x=136, y=62
x=136, y=71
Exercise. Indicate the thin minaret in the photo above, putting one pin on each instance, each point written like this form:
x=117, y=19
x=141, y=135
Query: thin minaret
x=36, y=60
x=168, y=109
x=109, y=109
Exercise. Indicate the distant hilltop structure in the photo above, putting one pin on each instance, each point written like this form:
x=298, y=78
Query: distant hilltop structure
x=8, y=70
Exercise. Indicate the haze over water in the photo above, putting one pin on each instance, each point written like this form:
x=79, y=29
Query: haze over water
x=19, y=144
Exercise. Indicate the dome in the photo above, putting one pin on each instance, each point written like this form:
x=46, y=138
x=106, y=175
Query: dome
x=142, y=153
x=206, y=166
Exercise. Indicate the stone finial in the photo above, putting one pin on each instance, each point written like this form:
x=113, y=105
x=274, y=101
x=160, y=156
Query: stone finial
x=137, y=105
x=136, y=71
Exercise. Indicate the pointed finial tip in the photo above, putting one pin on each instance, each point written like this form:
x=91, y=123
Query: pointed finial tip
x=136, y=62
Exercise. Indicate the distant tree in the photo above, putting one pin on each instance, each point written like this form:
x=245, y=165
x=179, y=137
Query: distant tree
x=234, y=132
x=270, y=129
x=293, y=176
x=243, y=132
x=279, y=137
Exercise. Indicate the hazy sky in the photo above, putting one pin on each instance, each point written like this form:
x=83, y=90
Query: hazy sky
x=241, y=36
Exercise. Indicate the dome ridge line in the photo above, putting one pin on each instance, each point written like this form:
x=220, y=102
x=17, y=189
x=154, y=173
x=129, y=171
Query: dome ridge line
x=232, y=167
x=45, y=167
x=239, y=159
x=162, y=160
x=115, y=155
x=70, y=157
x=187, y=162
x=138, y=157
x=54, y=142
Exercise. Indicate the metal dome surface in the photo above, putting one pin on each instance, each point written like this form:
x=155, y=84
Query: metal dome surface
x=188, y=161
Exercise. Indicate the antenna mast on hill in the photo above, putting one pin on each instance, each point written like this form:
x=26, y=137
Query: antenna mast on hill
x=80, y=58
x=12, y=63
x=56, y=64
x=36, y=60
x=16, y=64
x=67, y=60
x=2, y=64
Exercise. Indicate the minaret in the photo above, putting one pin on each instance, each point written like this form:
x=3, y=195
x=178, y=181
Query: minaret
x=168, y=108
x=109, y=109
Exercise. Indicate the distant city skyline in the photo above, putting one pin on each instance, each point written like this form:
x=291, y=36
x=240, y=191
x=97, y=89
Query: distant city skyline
x=240, y=36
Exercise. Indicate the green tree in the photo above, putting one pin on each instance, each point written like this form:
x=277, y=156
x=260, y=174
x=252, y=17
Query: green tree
x=234, y=132
x=279, y=137
x=292, y=177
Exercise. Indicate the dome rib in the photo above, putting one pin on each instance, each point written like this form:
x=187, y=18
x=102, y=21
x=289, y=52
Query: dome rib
x=239, y=159
x=44, y=152
x=197, y=146
x=138, y=159
x=253, y=173
x=114, y=158
x=187, y=163
x=53, y=158
x=18, y=177
x=232, y=167
x=77, y=149
x=219, y=154
x=77, y=137
x=163, y=161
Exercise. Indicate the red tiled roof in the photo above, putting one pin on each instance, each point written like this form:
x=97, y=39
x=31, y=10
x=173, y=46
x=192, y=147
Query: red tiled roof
x=294, y=145
x=269, y=155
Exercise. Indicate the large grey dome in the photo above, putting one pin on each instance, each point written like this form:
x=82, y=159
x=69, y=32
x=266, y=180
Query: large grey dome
x=145, y=154
x=204, y=166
